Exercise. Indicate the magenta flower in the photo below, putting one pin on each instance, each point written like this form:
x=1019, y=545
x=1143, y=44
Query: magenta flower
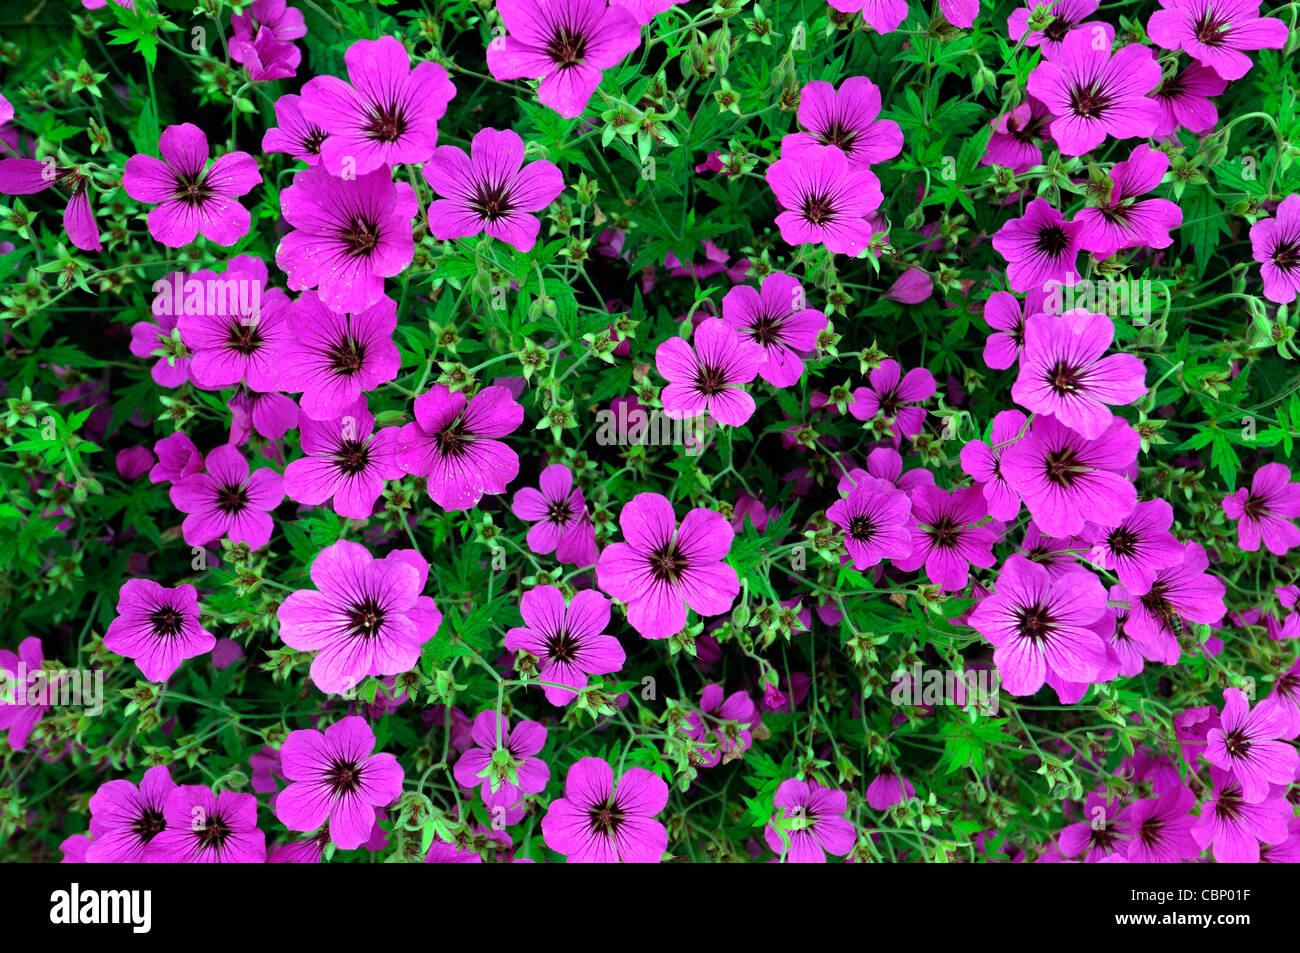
x=162, y=341
x=824, y=200
x=1126, y=221
x=1102, y=837
x=389, y=115
x=600, y=822
x=16, y=715
x=846, y=118
x=1161, y=827
x=888, y=392
x=345, y=461
x=1266, y=511
x=192, y=198
x=660, y=569
x=883, y=16
x=709, y=377
x=1275, y=244
x=337, y=778
x=294, y=135
x=502, y=763
x=1006, y=316
x=960, y=13
x=945, y=537
x=722, y=726
x=809, y=823
x=984, y=465
x=177, y=458
x=264, y=57
x=348, y=235
x=1039, y=247
x=1139, y=546
x=228, y=501
x=778, y=318
x=285, y=22
x=333, y=358
x=240, y=332
x=1235, y=827
x=885, y=463
x=1184, y=591
x=876, y=520
x=271, y=415
x=564, y=43
x=490, y=190
x=1066, y=479
x=1067, y=16
x=28, y=176
x=1184, y=101
x=645, y=10
x=558, y=512
x=365, y=617
x=1095, y=95
x=1216, y=33
x=568, y=643
x=888, y=789
x=1247, y=744
x=124, y=819
x=206, y=828
x=451, y=443
x=1284, y=701
x=1065, y=373
x=1016, y=137
x=1038, y=624
x=157, y=627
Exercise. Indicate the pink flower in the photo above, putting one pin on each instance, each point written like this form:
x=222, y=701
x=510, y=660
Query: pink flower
x=1266, y=512
x=708, y=377
x=192, y=198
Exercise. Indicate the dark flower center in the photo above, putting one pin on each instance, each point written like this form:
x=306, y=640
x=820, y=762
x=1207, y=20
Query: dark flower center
x=1237, y=744
x=559, y=512
x=492, y=201
x=1089, y=102
x=1211, y=29
x=567, y=47
x=561, y=647
x=667, y=564
x=861, y=528
x=343, y=776
x=366, y=617
x=1287, y=255
x=192, y=188
x=945, y=533
x=1030, y=131
x=1255, y=507
x=347, y=357
x=166, y=621
x=1052, y=240
x=360, y=237
x=1063, y=467
x=231, y=499
x=213, y=834
x=766, y=329
x=710, y=380
x=1057, y=29
x=244, y=337
x=605, y=818
x=837, y=134
x=311, y=140
x=818, y=209
x=1034, y=622
x=352, y=457
x=1122, y=542
x=1063, y=378
x=148, y=825
x=453, y=440
x=386, y=124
